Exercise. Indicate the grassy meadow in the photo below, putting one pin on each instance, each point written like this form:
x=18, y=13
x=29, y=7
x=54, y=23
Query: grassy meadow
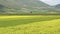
x=30, y=24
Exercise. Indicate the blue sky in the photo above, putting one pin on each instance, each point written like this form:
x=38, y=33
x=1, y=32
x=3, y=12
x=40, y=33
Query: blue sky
x=51, y=2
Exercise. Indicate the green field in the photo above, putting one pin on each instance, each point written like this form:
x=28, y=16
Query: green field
x=29, y=24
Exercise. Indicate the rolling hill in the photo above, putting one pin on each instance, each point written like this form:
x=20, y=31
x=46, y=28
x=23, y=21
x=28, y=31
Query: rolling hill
x=22, y=3
x=24, y=7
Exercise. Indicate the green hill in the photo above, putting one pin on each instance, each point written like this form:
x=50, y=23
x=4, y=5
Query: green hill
x=23, y=3
x=25, y=7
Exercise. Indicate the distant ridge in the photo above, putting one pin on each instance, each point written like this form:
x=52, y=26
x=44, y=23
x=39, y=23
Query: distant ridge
x=26, y=7
x=58, y=5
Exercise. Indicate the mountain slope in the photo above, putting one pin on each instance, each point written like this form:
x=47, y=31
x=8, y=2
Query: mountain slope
x=58, y=5
x=22, y=3
x=24, y=7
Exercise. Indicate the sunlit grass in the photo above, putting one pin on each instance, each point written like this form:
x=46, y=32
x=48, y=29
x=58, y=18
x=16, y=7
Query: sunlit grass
x=29, y=24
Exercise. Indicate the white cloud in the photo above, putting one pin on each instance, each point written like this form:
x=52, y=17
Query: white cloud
x=51, y=2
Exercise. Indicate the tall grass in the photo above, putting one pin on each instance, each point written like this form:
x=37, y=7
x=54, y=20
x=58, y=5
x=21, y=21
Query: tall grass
x=29, y=24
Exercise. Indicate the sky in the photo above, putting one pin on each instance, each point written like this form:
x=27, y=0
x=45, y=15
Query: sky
x=51, y=2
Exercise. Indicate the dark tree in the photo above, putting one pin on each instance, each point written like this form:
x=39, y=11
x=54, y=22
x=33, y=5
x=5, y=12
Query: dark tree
x=31, y=12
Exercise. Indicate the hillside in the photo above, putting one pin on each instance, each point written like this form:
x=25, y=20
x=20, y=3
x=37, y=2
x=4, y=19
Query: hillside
x=58, y=5
x=24, y=7
x=23, y=3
